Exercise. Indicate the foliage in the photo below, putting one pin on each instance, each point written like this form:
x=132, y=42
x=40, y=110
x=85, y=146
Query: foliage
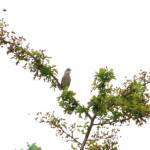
x=111, y=107
x=33, y=147
x=37, y=62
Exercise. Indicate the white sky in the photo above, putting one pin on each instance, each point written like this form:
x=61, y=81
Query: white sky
x=83, y=35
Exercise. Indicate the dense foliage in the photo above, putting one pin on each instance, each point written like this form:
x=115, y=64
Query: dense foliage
x=109, y=108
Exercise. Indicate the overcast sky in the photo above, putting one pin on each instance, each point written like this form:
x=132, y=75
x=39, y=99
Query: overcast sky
x=83, y=35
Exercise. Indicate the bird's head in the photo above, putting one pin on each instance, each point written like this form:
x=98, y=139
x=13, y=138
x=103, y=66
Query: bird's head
x=68, y=70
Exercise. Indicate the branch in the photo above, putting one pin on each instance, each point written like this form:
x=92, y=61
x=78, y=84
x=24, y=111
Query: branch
x=88, y=133
x=68, y=135
x=21, y=53
x=55, y=122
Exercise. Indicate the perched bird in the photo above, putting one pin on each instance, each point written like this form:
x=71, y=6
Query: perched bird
x=66, y=79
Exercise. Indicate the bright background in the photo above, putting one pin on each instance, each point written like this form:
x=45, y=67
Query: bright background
x=83, y=35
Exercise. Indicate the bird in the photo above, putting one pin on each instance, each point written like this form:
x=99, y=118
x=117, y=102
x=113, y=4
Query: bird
x=4, y=10
x=66, y=79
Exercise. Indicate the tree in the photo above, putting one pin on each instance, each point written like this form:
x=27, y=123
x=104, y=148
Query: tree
x=109, y=108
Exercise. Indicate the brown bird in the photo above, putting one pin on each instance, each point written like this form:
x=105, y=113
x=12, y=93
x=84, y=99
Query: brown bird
x=4, y=10
x=66, y=79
